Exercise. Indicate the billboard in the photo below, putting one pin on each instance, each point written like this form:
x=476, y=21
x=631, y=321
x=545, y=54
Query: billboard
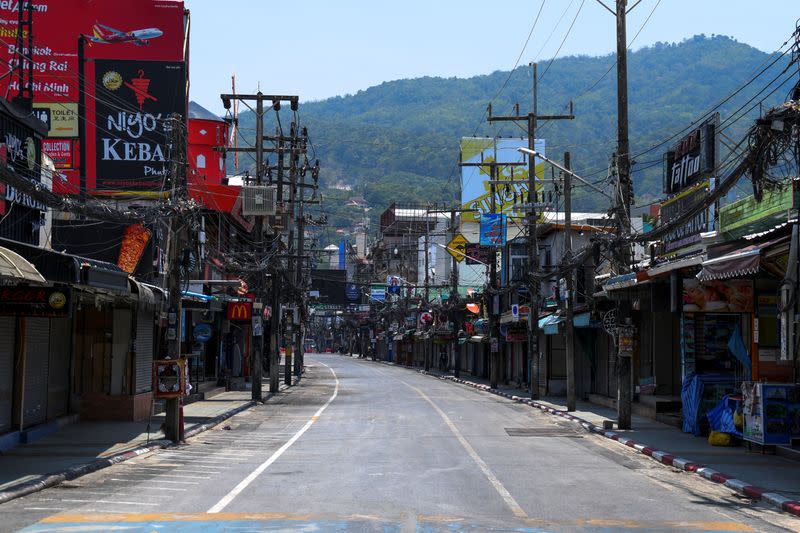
x=131, y=141
x=144, y=30
x=475, y=188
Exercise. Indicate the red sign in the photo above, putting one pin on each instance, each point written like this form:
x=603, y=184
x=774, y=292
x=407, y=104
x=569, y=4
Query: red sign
x=239, y=311
x=61, y=151
x=169, y=376
x=145, y=29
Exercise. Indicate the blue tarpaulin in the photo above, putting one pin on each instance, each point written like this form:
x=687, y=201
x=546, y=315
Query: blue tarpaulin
x=720, y=418
x=692, y=399
x=739, y=351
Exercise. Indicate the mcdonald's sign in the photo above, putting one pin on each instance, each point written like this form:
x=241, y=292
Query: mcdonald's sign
x=240, y=311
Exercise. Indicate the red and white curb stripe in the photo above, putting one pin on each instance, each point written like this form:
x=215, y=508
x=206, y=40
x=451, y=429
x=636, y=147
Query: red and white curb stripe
x=742, y=487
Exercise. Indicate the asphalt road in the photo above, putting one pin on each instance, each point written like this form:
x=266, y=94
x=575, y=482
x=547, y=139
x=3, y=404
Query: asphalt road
x=362, y=446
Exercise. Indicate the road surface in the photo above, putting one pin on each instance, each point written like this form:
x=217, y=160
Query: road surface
x=364, y=446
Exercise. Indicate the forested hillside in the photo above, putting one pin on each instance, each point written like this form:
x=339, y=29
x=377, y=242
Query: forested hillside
x=395, y=139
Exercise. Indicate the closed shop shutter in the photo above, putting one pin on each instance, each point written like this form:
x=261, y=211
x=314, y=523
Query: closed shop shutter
x=60, y=354
x=37, y=358
x=7, y=324
x=144, y=351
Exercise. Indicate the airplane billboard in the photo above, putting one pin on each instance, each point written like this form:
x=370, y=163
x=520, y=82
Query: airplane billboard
x=141, y=30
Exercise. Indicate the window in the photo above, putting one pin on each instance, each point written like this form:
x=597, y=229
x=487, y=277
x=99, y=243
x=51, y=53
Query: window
x=201, y=161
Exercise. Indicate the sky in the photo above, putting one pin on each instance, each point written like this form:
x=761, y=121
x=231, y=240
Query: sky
x=322, y=48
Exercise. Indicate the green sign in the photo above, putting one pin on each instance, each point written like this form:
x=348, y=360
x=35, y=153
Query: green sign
x=748, y=216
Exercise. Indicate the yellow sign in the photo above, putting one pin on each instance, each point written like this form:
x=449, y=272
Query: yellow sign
x=61, y=118
x=457, y=247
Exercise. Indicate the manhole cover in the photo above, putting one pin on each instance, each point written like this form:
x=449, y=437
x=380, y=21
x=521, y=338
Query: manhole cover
x=542, y=432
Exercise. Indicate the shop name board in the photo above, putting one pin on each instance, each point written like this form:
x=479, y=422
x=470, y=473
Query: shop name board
x=749, y=215
x=691, y=158
x=35, y=301
x=15, y=196
x=239, y=311
x=688, y=233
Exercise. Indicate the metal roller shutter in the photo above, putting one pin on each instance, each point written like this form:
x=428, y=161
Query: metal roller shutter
x=7, y=324
x=60, y=353
x=144, y=351
x=37, y=357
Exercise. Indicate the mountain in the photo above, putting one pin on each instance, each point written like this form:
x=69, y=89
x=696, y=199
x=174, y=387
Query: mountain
x=399, y=140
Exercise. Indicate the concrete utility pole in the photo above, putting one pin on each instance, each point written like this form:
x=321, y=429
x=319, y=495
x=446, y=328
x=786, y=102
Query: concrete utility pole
x=454, y=300
x=570, y=300
x=177, y=236
x=533, y=249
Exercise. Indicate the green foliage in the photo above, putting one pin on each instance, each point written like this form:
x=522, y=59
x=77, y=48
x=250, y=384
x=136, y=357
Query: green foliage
x=399, y=140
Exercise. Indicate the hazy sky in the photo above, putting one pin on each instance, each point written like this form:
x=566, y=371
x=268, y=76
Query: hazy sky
x=322, y=48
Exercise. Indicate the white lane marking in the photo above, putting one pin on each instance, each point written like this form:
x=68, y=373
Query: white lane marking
x=498, y=486
x=44, y=508
x=156, y=480
x=228, y=498
x=150, y=475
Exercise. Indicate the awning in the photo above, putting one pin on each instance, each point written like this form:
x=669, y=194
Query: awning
x=549, y=324
x=73, y=269
x=670, y=266
x=620, y=282
x=478, y=338
x=16, y=267
x=584, y=320
x=744, y=262
x=148, y=296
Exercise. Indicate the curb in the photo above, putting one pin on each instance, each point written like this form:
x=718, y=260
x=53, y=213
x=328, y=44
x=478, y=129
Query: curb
x=744, y=488
x=50, y=480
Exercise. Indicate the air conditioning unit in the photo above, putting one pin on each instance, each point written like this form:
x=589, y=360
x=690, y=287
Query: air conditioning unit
x=258, y=200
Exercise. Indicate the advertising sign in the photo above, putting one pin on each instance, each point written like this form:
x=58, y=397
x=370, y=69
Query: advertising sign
x=35, y=301
x=352, y=292
x=134, y=102
x=688, y=233
x=720, y=296
x=61, y=151
x=691, y=158
x=169, y=377
x=475, y=188
x=493, y=229
x=61, y=118
x=477, y=254
x=145, y=29
x=239, y=311
x=134, y=242
x=203, y=332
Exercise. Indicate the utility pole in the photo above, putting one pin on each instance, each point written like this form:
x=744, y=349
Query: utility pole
x=454, y=300
x=494, y=347
x=533, y=249
x=258, y=342
x=177, y=234
x=622, y=208
x=276, y=271
x=570, y=300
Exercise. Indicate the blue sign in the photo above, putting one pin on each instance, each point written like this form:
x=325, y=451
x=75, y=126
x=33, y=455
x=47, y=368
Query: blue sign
x=202, y=332
x=493, y=229
x=342, y=247
x=352, y=292
x=378, y=293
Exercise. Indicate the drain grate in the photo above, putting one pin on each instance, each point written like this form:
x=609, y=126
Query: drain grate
x=542, y=432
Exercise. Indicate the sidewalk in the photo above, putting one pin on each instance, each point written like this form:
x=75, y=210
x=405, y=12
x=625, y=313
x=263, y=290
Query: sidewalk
x=773, y=478
x=82, y=447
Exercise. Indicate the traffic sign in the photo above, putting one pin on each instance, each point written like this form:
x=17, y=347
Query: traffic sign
x=457, y=247
x=515, y=312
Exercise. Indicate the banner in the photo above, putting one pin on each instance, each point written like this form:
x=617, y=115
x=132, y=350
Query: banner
x=493, y=229
x=723, y=296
